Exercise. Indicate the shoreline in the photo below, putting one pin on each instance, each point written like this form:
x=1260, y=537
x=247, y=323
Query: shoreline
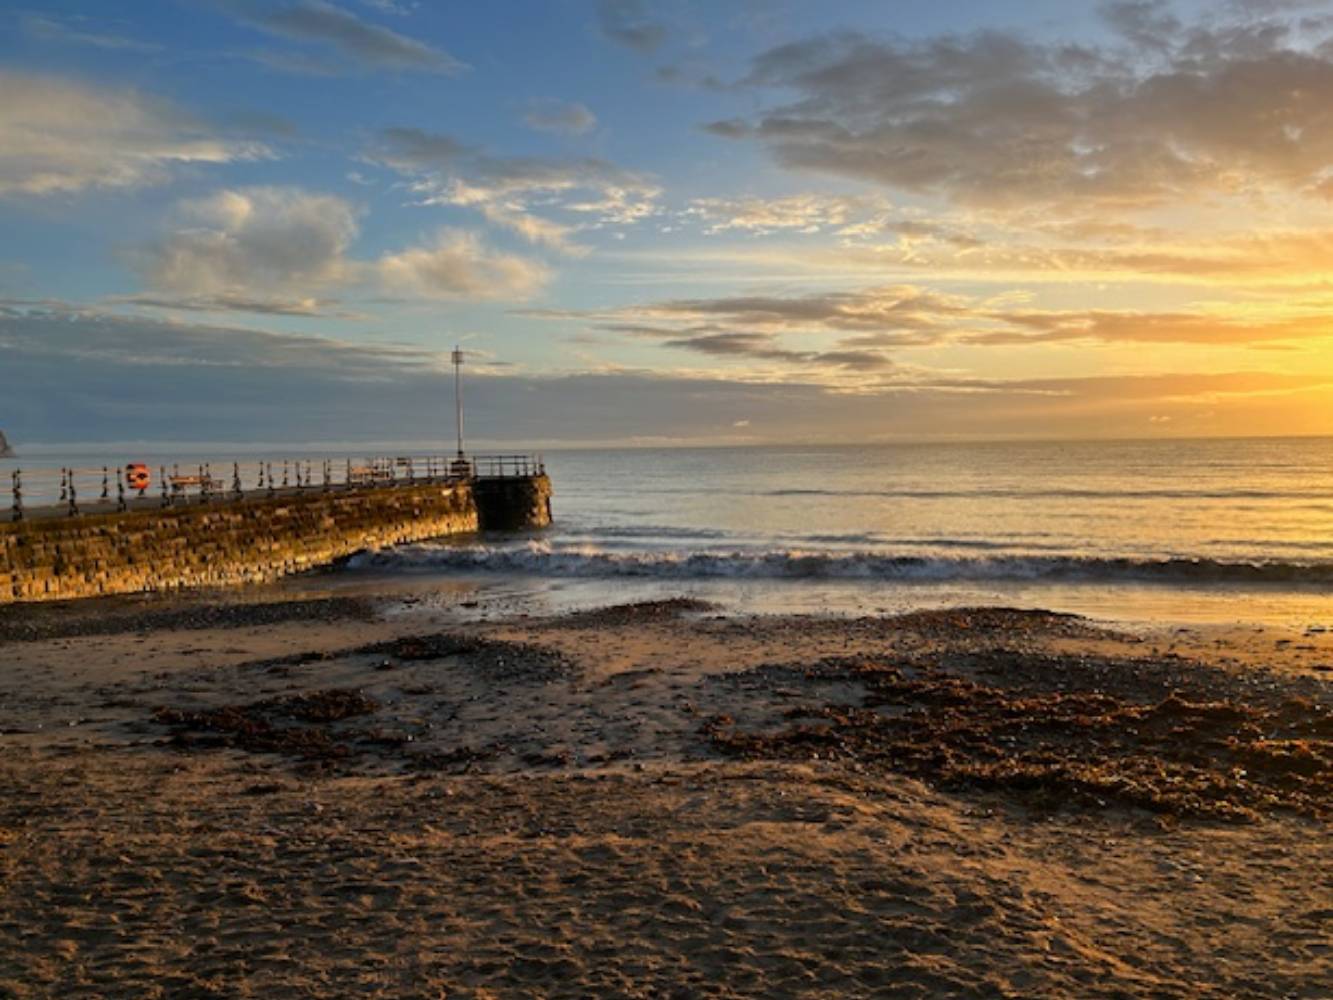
x=1291, y=643
x=360, y=793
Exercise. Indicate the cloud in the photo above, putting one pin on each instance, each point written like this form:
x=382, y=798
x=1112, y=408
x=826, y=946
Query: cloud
x=75, y=30
x=532, y=228
x=396, y=7
x=914, y=313
x=759, y=328
x=758, y=346
x=208, y=382
x=1133, y=327
x=446, y=171
x=368, y=45
x=1038, y=249
x=628, y=23
x=807, y=213
x=764, y=347
x=560, y=117
x=1148, y=24
x=235, y=302
x=90, y=336
x=457, y=265
x=442, y=157
x=837, y=337
x=254, y=243
x=59, y=136
x=1003, y=122
x=285, y=251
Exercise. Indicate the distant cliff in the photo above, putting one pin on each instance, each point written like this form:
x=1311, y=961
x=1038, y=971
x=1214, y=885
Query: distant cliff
x=5, y=450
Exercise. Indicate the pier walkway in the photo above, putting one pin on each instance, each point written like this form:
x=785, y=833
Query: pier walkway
x=44, y=493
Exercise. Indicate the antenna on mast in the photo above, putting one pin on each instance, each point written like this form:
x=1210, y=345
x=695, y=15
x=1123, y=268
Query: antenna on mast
x=457, y=358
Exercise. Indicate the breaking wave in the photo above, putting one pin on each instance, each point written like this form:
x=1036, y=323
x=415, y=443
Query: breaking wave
x=541, y=559
x=1034, y=493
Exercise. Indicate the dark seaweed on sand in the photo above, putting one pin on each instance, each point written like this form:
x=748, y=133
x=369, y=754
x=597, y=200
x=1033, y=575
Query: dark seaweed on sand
x=1216, y=758
x=113, y=616
x=297, y=725
x=638, y=613
x=497, y=659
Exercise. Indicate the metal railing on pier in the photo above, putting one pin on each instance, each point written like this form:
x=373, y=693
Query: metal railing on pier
x=506, y=466
x=55, y=492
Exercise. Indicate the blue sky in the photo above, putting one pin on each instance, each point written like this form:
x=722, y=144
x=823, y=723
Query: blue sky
x=956, y=219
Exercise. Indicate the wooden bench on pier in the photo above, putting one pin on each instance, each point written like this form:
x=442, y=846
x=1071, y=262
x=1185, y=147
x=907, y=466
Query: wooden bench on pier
x=181, y=485
x=368, y=475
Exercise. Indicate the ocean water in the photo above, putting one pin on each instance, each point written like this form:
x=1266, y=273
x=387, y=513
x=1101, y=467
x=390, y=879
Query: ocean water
x=1216, y=530
x=1236, y=530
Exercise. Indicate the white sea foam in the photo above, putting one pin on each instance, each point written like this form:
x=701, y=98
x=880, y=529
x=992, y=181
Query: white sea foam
x=588, y=561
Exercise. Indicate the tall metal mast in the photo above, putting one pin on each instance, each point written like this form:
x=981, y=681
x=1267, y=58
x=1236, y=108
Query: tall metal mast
x=457, y=358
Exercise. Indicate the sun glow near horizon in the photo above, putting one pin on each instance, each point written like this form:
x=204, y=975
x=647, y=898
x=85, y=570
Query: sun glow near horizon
x=1114, y=219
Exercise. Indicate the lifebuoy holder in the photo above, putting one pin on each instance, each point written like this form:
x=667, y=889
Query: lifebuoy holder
x=137, y=477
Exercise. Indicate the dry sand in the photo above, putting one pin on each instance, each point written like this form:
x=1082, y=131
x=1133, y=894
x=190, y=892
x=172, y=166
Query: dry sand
x=320, y=799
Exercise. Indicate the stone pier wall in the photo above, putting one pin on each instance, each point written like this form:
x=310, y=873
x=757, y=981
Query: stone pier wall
x=237, y=542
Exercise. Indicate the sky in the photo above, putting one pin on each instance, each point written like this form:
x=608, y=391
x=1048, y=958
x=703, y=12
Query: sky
x=669, y=222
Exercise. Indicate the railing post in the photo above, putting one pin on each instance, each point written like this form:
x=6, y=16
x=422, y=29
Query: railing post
x=285, y=464
x=205, y=482
x=347, y=475
x=73, y=497
x=64, y=484
x=106, y=484
x=18, y=495
x=162, y=474
x=236, y=480
x=269, y=465
x=327, y=470
x=120, y=489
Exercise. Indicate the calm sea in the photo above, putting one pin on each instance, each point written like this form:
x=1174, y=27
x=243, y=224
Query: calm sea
x=1162, y=530
x=1175, y=530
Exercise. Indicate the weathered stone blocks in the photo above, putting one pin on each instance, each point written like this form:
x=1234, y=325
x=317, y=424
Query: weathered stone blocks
x=241, y=541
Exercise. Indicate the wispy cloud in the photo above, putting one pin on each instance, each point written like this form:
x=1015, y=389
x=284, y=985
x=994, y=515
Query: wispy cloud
x=629, y=23
x=363, y=43
x=548, y=114
x=61, y=136
x=72, y=30
x=806, y=213
x=400, y=8
x=264, y=385
x=448, y=171
x=837, y=337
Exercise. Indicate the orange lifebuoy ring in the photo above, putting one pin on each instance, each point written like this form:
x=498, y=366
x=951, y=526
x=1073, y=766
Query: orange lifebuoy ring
x=137, y=476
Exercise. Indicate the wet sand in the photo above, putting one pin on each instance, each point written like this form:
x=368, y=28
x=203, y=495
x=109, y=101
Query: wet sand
x=334, y=797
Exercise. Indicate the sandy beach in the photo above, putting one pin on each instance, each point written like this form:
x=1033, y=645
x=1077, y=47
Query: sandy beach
x=344, y=796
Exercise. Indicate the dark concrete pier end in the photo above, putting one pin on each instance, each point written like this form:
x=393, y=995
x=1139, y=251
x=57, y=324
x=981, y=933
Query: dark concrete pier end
x=513, y=503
